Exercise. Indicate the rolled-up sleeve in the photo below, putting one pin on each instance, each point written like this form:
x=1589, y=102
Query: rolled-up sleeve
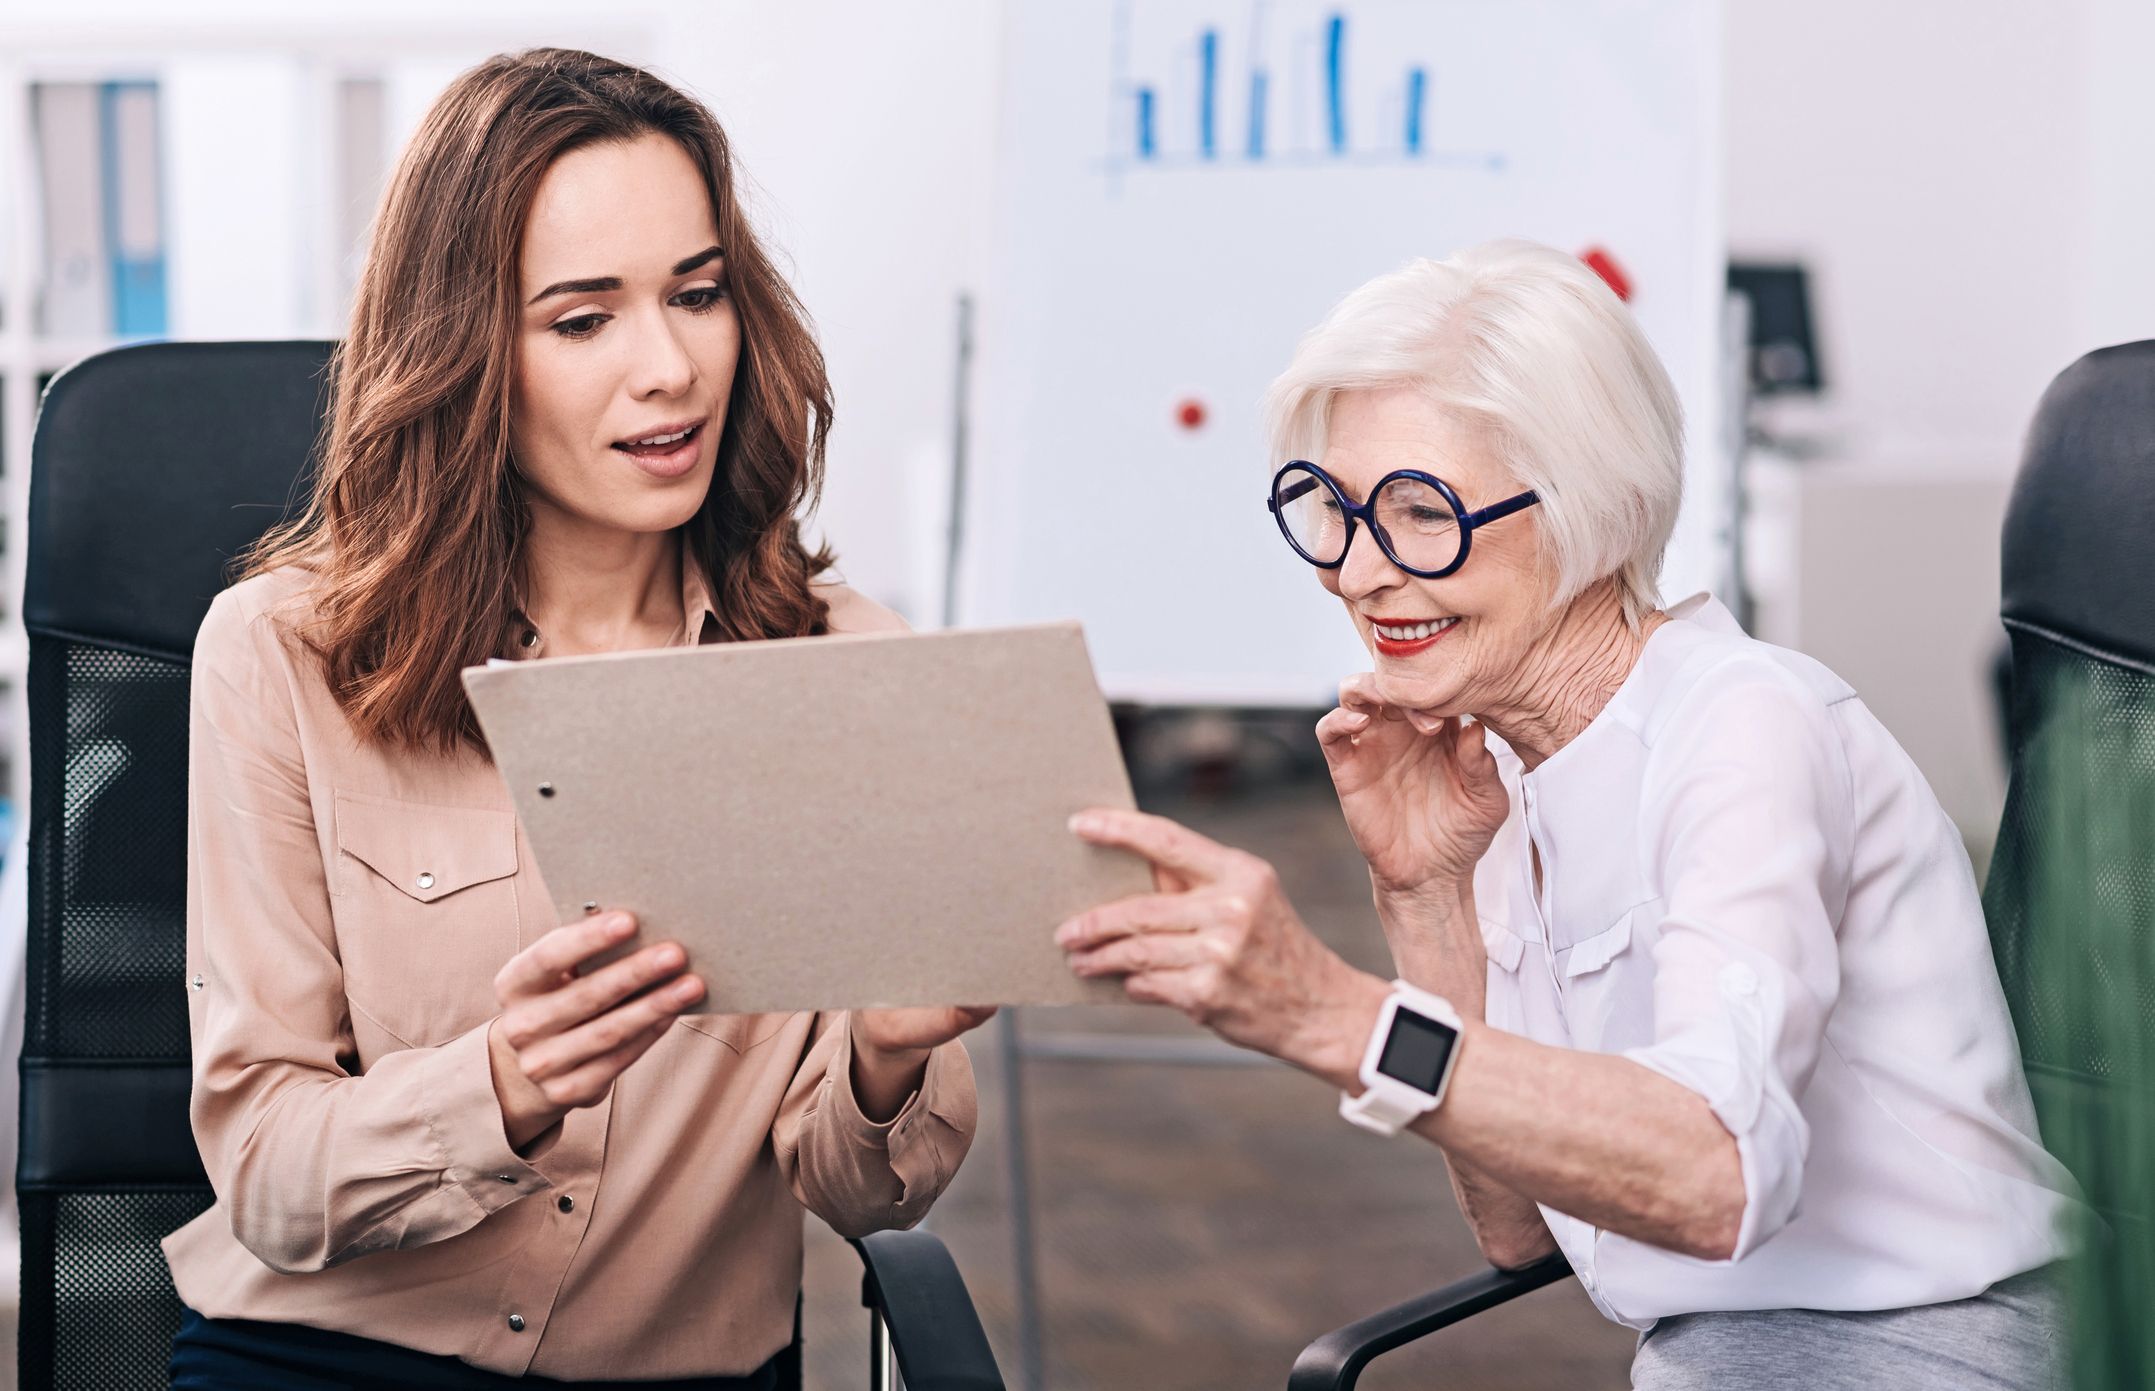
x=1750, y=819
x=315, y=1162
x=863, y=1176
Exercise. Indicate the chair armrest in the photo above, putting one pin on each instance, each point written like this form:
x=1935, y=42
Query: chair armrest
x=911, y=1280
x=1336, y=1360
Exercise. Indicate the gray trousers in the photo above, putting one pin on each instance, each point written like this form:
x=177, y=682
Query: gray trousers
x=2011, y=1337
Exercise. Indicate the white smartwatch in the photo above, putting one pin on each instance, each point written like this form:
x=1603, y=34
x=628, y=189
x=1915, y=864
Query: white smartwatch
x=1408, y=1061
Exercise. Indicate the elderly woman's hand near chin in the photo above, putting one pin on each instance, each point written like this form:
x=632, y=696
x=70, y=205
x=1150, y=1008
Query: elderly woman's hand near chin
x=1423, y=800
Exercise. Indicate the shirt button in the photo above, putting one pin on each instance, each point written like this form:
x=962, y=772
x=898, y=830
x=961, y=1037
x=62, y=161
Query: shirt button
x=567, y=1203
x=426, y=881
x=516, y=1323
x=198, y=982
x=506, y=1178
x=1738, y=979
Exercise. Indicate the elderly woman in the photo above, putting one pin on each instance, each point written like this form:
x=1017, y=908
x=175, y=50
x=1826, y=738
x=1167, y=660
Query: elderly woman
x=1693, y=979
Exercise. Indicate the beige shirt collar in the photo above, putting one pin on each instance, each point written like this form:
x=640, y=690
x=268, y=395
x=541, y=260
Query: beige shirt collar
x=700, y=616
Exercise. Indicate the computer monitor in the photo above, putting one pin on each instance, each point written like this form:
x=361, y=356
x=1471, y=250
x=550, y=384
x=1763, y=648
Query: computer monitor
x=1784, y=350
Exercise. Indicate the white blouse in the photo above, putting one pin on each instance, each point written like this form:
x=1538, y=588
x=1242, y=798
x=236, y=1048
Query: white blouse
x=1748, y=887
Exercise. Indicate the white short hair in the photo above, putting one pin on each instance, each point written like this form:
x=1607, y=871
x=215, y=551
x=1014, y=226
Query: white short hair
x=1527, y=341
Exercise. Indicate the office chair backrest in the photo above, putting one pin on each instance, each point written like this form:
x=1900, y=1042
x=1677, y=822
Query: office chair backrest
x=2071, y=894
x=152, y=467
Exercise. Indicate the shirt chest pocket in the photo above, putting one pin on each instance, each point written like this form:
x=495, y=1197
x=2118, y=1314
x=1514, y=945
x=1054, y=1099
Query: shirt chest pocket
x=1606, y=979
x=426, y=914
x=740, y=1032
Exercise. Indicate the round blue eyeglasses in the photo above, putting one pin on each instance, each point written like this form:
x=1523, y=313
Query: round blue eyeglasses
x=1416, y=517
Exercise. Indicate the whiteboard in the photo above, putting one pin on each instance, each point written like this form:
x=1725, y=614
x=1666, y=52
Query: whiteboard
x=1183, y=188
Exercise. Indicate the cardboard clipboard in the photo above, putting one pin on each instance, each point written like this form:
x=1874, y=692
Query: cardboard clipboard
x=826, y=823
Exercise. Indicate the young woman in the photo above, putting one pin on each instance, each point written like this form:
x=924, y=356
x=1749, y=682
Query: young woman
x=578, y=411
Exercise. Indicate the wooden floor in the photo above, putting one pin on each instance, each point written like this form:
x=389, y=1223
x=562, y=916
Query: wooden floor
x=1200, y=1224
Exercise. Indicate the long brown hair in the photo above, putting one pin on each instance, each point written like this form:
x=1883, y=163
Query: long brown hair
x=415, y=530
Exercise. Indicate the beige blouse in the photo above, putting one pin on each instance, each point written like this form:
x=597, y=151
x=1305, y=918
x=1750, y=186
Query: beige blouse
x=347, y=909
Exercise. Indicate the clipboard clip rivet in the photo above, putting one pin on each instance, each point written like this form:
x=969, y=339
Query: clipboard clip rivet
x=546, y=789
x=590, y=908
x=426, y=881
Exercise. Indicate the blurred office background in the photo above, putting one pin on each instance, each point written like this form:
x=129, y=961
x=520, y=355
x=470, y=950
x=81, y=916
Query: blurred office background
x=1935, y=204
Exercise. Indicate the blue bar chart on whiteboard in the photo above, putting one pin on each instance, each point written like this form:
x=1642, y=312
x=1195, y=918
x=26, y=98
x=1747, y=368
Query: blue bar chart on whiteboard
x=1281, y=85
x=1185, y=187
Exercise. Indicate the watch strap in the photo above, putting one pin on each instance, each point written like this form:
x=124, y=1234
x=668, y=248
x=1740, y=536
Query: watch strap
x=1383, y=1110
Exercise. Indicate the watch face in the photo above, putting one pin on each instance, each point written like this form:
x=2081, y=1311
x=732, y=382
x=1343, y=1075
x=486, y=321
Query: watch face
x=1416, y=1050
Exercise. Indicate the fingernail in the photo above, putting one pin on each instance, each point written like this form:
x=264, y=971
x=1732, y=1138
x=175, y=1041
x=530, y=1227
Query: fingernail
x=618, y=923
x=670, y=956
x=1084, y=823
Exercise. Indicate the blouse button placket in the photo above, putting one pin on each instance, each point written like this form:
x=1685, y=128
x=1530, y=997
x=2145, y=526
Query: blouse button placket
x=1537, y=886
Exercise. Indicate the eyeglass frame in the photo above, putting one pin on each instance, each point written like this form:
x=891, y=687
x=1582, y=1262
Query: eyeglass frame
x=1365, y=513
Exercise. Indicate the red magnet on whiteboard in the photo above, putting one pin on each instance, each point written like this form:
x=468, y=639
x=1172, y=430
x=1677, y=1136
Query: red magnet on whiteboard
x=1190, y=415
x=1604, y=265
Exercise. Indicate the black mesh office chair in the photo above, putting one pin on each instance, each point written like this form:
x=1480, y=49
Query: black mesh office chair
x=2071, y=893
x=152, y=467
